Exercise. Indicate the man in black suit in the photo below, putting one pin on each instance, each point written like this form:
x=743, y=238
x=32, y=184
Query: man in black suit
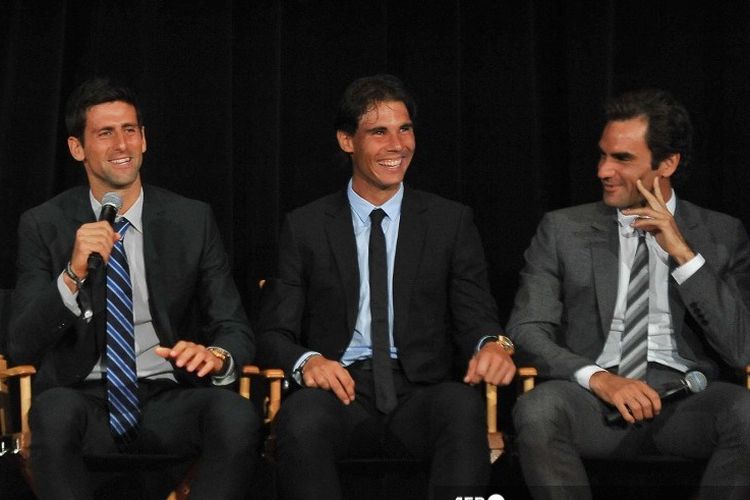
x=187, y=327
x=584, y=300
x=370, y=345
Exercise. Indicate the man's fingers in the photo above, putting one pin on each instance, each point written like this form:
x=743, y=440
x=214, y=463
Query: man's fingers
x=471, y=376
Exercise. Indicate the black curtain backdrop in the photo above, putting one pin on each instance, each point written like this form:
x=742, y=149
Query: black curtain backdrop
x=239, y=98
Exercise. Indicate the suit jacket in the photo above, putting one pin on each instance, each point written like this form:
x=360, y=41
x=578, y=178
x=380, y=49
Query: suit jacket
x=566, y=300
x=192, y=295
x=441, y=295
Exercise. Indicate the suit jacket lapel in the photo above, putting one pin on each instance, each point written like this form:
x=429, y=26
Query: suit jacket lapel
x=411, y=236
x=153, y=251
x=605, y=247
x=340, y=233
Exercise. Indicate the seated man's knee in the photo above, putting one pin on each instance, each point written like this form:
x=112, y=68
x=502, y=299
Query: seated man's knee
x=736, y=421
x=541, y=411
x=236, y=422
x=59, y=410
x=461, y=401
x=308, y=414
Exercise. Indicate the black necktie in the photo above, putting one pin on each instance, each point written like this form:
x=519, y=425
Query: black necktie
x=385, y=391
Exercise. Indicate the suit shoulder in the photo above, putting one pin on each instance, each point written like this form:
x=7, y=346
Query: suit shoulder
x=57, y=204
x=585, y=214
x=707, y=217
x=317, y=208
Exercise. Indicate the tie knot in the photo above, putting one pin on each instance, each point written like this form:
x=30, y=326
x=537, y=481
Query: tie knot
x=377, y=216
x=122, y=225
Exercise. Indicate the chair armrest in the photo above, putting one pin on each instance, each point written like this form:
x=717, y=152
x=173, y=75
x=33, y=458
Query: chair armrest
x=274, y=377
x=527, y=376
x=23, y=373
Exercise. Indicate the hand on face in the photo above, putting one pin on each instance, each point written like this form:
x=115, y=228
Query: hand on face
x=656, y=219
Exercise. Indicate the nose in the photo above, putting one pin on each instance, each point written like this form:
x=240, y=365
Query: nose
x=605, y=168
x=119, y=140
x=395, y=143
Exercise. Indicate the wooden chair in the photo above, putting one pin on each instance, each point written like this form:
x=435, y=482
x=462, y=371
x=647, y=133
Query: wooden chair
x=17, y=442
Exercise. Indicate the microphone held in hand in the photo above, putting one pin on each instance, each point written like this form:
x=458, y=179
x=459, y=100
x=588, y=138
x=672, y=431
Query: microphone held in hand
x=111, y=204
x=692, y=383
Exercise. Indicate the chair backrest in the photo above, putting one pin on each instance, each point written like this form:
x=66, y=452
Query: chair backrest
x=5, y=295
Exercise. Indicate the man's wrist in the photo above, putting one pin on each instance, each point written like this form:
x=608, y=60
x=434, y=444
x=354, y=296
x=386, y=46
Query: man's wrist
x=222, y=355
x=77, y=281
x=502, y=342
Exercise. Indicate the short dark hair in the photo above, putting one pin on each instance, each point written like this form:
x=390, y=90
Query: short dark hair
x=364, y=93
x=97, y=90
x=669, y=128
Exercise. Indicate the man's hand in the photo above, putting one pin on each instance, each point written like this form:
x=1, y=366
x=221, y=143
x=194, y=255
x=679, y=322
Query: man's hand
x=634, y=399
x=492, y=364
x=656, y=219
x=326, y=374
x=192, y=358
x=94, y=237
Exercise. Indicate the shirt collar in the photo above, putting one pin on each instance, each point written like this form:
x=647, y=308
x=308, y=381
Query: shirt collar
x=134, y=214
x=625, y=221
x=362, y=207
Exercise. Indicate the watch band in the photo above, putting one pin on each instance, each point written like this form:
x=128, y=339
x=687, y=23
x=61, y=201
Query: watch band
x=72, y=275
x=223, y=355
x=506, y=344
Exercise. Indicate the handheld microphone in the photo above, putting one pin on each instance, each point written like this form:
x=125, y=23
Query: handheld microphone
x=693, y=382
x=111, y=204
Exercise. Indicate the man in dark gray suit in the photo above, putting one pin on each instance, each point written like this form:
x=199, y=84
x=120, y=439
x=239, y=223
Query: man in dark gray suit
x=426, y=298
x=579, y=311
x=180, y=326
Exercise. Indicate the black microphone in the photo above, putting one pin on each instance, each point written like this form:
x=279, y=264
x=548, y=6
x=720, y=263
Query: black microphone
x=111, y=204
x=692, y=383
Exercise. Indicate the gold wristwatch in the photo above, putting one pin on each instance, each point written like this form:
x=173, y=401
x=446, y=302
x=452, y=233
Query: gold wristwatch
x=506, y=344
x=222, y=354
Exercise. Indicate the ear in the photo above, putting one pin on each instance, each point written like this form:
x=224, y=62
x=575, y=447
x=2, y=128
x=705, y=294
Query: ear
x=143, y=134
x=345, y=141
x=669, y=165
x=76, y=148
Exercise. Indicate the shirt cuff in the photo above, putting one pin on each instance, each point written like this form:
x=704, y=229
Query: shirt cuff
x=689, y=268
x=297, y=368
x=69, y=298
x=583, y=375
x=483, y=341
x=229, y=376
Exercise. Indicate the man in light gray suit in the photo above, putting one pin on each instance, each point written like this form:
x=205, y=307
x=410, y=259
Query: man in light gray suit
x=573, y=317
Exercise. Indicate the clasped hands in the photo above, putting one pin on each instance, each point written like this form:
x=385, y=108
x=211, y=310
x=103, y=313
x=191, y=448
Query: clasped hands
x=491, y=364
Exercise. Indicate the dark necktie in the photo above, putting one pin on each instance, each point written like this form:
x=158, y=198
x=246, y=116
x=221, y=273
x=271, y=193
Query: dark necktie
x=385, y=391
x=634, y=346
x=122, y=382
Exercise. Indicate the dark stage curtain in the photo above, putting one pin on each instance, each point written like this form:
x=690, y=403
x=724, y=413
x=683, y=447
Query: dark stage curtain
x=239, y=98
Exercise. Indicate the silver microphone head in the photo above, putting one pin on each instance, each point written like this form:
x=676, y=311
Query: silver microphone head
x=696, y=381
x=112, y=199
